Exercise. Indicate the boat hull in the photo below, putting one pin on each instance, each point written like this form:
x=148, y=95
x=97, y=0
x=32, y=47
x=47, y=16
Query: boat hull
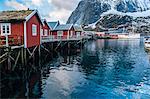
x=130, y=36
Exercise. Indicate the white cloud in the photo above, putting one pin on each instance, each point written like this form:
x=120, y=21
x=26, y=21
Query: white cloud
x=37, y=2
x=15, y=5
x=49, y=9
x=67, y=4
x=59, y=14
x=62, y=9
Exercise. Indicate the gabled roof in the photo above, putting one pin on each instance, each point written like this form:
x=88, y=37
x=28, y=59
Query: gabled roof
x=64, y=27
x=78, y=28
x=6, y=16
x=18, y=15
x=53, y=25
x=44, y=21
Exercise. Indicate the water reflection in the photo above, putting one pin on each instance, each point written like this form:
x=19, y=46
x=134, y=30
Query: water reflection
x=103, y=69
x=21, y=84
x=106, y=68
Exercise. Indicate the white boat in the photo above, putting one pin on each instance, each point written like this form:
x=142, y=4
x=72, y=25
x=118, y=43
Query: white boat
x=129, y=36
x=147, y=42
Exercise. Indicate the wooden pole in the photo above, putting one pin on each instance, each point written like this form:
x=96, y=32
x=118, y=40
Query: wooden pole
x=22, y=56
x=9, y=60
x=13, y=68
x=25, y=56
x=68, y=48
x=39, y=56
x=6, y=40
x=34, y=58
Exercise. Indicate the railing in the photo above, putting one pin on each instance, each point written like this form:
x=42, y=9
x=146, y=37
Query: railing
x=13, y=40
x=53, y=38
x=47, y=38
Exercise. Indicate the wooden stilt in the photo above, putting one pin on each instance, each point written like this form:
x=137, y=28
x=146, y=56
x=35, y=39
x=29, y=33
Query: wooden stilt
x=13, y=68
x=3, y=60
x=52, y=49
x=31, y=53
x=68, y=48
x=22, y=56
x=39, y=51
x=58, y=45
x=9, y=60
x=25, y=56
x=33, y=59
x=45, y=49
x=3, y=55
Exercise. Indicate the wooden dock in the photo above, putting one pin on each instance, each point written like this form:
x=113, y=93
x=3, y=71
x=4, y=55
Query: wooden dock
x=14, y=53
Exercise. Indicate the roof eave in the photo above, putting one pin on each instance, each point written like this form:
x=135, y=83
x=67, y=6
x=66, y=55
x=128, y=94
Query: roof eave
x=32, y=14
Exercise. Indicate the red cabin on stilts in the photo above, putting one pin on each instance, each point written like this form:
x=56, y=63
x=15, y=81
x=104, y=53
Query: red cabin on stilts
x=45, y=32
x=20, y=28
x=64, y=32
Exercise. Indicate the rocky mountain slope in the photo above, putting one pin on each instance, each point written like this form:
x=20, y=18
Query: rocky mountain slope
x=89, y=11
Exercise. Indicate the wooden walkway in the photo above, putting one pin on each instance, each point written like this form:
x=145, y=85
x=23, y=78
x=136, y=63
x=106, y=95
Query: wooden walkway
x=53, y=39
x=14, y=53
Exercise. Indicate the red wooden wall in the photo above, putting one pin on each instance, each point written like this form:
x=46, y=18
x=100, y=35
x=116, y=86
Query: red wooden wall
x=33, y=40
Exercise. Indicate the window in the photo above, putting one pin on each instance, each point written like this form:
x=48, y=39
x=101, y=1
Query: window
x=34, y=30
x=41, y=31
x=60, y=33
x=5, y=29
x=45, y=32
x=78, y=34
x=71, y=34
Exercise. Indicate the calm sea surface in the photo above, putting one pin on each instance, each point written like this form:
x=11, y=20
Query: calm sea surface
x=104, y=69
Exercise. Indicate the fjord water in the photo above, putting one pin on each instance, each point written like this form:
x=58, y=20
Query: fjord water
x=104, y=69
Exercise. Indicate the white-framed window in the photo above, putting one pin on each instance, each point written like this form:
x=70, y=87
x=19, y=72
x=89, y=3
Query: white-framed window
x=5, y=29
x=59, y=33
x=34, y=30
x=45, y=32
x=71, y=33
x=41, y=31
x=78, y=34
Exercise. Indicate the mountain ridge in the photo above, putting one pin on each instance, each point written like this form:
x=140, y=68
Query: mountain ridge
x=89, y=11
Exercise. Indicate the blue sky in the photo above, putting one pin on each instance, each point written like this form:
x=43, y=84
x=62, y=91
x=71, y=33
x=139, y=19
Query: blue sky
x=52, y=10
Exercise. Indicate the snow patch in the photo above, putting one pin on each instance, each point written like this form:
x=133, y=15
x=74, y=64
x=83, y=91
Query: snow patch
x=132, y=14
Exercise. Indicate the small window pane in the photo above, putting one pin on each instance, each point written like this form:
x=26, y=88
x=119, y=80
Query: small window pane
x=4, y=29
x=34, y=30
x=60, y=33
x=8, y=29
x=45, y=32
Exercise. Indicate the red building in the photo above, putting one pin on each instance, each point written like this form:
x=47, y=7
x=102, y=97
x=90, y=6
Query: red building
x=46, y=30
x=21, y=26
x=64, y=32
x=78, y=31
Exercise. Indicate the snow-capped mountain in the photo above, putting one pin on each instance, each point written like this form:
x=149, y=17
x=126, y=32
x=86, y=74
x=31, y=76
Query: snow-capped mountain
x=90, y=11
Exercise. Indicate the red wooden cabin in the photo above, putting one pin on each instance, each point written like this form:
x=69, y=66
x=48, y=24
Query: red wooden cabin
x=78, y=31
x=22, y=26
x=64, y=32
x=46, y=30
